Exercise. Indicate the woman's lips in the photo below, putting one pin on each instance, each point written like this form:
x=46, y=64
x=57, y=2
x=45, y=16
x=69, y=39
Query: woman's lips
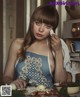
x=39, y=35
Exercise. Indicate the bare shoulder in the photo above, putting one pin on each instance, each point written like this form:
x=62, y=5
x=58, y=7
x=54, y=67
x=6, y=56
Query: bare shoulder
x=17, y=43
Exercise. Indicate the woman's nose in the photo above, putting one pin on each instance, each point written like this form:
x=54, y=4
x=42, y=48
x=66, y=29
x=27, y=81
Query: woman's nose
x=41, y=28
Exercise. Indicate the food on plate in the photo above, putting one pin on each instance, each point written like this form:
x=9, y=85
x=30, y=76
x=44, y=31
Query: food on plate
x=40, y=90
x=41, y=87
x=13, y=86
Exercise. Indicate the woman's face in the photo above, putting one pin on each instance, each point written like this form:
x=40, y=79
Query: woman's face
x=41, y=30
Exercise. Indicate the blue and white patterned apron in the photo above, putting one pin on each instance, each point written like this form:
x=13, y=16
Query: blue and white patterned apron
x=36, y=68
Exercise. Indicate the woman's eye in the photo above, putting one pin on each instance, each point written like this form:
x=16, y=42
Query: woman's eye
x=37, y=22
x=48, y=26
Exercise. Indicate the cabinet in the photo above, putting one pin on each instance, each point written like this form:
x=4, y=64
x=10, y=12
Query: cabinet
x=71, y=35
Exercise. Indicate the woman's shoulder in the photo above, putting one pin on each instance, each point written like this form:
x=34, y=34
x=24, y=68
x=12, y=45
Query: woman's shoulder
x=17, y=43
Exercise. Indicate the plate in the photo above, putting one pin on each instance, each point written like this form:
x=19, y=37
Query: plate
x=36, y=91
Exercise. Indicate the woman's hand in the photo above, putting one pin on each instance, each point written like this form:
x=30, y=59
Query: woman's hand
x=20, y=83
x=56, y=42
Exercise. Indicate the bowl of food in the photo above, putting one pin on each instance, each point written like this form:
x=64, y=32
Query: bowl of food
x=69, y=88
x=73, y=90
x=73, y=87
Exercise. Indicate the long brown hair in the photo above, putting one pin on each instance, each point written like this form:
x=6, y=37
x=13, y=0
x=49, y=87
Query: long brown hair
x=46, y=14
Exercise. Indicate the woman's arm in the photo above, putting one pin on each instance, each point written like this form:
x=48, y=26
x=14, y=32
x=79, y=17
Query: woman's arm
x=12, y=57
x=60, y=72
x=8, y=76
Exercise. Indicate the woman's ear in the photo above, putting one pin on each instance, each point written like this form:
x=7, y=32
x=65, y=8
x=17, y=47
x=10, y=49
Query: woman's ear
x=51, y=32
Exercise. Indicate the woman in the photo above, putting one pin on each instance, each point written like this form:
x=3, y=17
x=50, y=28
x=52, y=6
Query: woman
x=39, y=56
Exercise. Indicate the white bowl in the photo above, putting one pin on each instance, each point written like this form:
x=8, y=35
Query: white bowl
x=73, y=90
x=70, y=90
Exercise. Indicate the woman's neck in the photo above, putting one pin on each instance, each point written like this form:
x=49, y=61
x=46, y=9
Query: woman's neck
x=40, y=47
x=42, y=42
